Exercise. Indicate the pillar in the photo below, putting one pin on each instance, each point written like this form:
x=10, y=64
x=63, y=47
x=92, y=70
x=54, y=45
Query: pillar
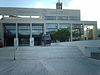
x=31, y=38
x=71, y=35
x=44, y=28
x=94, y=32
x=16, y=42
x=58, y=26
x=2, y=33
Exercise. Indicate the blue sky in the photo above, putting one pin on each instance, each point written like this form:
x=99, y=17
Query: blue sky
x=30, y=3
x=89, y=8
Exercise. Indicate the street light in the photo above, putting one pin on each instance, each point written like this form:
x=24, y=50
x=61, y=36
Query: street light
x=15, y=47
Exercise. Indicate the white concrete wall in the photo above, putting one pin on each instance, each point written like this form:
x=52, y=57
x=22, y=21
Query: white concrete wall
x=82, y=46
x=38, y=12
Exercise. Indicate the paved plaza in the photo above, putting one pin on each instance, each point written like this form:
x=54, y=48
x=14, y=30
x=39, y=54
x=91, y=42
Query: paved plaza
x=49, y=60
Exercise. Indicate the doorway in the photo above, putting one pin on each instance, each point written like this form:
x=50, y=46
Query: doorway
x=9, y=33
x=24, y=34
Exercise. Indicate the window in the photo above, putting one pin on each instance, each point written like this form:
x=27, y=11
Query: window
x=10, y=29
x=37, y=29
x=24, y=29
x=6, y=16
x=23, y=16
x=50, y=17
x=35, y=17
x=64, y=26
x=51, y=27
x=74, y=18
x=62, y=18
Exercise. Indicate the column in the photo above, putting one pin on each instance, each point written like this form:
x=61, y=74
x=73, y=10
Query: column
x=2, y=33
x=94, y=32
x=58, y=26
x=16, y=30
x=16, y=43
x=30, y=30
x=83, y=33
x=71, y=35
x=44, y=28
x=31, y=38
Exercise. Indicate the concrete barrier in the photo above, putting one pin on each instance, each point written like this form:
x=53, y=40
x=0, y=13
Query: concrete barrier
x=83, y=46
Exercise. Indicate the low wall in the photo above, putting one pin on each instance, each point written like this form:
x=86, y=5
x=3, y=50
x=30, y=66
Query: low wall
x=87, y=46
x=84, y=46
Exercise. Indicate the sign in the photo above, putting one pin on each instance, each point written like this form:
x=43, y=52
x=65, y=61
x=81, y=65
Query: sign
x=31, y=41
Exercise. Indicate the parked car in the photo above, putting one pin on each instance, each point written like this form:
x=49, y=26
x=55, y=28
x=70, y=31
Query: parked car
x=1, y=44
x=46, y=40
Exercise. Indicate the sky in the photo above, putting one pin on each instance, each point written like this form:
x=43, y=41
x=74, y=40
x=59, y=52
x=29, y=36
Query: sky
x=90, y=10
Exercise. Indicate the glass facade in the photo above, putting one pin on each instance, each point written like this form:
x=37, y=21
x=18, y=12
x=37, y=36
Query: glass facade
x=37, y=32
x=24, y=34
x=51, y=27
x=50, y=17
x=64, y=26
x=0, y=31
x=23, y=29
x=37, y=29
x=88, y=32
x=74, y=18
x=9, y=34
x=62, y=18
x=77, y=31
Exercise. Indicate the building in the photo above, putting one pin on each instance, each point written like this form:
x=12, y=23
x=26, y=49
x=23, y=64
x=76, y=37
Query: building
x=98, y=33
x=26, y=25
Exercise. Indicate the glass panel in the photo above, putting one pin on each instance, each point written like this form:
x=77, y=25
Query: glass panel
x=64, y=25
x=23, y=16
x=10, y=29
x=50, y=17
x=9, y=34
x=62, y=18
x=51, y=27
x=74, y=18
x=24, y=34
x=24, y=27
x=35, y=16
x=77, y=31
x=0, y=32
x=88, y=32
x=37, y=29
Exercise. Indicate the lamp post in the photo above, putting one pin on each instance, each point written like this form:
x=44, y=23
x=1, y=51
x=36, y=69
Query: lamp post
x=15, y=47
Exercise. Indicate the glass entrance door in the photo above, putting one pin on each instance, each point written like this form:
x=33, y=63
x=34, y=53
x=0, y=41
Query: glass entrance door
x=24, y=40
x=24, y=34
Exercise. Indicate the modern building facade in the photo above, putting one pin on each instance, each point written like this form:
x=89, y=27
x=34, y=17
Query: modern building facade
x=26, y=25
x=98, y=34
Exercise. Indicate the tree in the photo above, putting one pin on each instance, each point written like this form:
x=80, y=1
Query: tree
x=62, y=35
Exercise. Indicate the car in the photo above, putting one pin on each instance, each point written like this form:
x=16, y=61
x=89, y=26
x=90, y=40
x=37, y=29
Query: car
x=1, y=44
x=46, y=40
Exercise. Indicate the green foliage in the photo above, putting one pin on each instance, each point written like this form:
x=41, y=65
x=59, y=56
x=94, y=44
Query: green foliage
x=62, y=35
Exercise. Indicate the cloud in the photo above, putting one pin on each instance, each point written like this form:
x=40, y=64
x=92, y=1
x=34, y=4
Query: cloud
x=39, y=5
x=42, y=5
x=89, y=9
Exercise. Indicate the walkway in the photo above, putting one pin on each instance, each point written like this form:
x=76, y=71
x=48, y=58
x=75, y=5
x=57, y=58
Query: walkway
x=54, y=60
